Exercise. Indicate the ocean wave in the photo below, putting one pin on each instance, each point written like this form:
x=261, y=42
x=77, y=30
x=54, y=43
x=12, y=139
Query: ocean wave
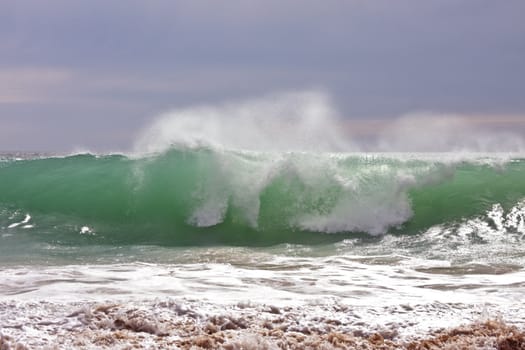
x=187, y=195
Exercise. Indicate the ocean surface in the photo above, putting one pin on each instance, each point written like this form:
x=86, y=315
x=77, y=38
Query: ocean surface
x=441, y=235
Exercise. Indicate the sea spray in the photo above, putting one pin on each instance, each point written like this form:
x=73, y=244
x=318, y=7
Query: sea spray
x=300, y=121
x=309, y=121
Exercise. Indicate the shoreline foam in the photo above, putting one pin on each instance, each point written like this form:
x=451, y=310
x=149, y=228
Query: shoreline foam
x=161, y=324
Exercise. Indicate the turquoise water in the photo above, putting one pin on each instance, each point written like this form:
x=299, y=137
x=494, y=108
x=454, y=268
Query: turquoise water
x=205, y=197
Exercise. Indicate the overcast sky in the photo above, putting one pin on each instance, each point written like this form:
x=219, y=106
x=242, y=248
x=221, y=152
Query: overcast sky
x=92, y=74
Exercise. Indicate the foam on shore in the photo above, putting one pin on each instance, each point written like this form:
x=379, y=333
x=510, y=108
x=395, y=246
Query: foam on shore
x=188, y=324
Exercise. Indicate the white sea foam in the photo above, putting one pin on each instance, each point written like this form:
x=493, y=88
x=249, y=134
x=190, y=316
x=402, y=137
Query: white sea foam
x=86, y=230
x=362, y=292
x=25, y=221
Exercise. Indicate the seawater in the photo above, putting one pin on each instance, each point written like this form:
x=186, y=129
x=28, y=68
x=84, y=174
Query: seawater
x=207, y=196
x=439, y=234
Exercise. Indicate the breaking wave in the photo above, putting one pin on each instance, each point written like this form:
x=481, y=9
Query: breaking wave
x=189, y=196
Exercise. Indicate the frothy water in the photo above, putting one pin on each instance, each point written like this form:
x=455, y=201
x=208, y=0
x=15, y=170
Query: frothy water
x=384, y=292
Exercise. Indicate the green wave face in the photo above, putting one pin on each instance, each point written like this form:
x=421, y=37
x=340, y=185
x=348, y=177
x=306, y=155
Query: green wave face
x=205, y=196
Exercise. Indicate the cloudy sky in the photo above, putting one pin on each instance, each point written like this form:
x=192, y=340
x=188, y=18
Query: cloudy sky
x=92, y=74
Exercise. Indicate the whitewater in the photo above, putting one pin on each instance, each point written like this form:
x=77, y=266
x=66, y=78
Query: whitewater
x=264, y=215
